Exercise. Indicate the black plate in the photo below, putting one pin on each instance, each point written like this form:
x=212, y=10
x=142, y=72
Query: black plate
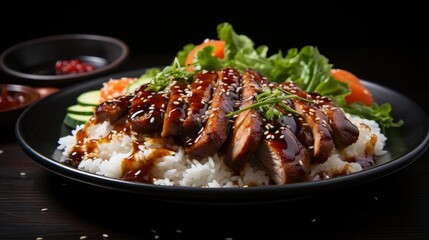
x=40, y=126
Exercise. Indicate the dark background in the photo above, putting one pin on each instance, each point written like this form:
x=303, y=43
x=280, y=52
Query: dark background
x=385, y=44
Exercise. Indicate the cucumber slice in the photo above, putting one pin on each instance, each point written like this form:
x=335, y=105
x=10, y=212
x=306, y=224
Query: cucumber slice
x=141, y=81
x=148, y=75
x=90, y=98
x=81, y=110
x=72, y=120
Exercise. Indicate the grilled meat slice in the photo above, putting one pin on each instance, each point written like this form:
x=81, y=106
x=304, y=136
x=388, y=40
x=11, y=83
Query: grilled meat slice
x=216, y=128
x=176, y=110
x=304, y=132
x=198, y=99
x=246, y=133
x=112, y=110
x=317, y=121
x=344, y=132
x=312, y=117
x=286, y=160
x=147, y=110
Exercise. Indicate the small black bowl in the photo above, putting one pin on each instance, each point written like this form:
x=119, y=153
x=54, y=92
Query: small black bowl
x=27, y=96
x=33, y=62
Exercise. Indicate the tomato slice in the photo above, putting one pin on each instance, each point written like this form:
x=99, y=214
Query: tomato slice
x=358, y=92
x=219, y=51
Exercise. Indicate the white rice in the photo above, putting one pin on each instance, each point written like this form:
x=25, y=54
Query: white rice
x=177, y=169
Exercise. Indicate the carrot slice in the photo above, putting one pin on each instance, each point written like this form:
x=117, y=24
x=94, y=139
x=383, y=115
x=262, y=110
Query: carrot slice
x=115, y=88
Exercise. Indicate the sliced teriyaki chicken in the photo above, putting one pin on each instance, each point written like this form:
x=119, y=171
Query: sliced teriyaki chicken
x=344, y=132
x=216, y=128
x=147, y=110
x=323, y=144
x=246, y=134
x=285, y=159
x=112, y=110
x=175, y=112
x=198, y=98
x=329, y=126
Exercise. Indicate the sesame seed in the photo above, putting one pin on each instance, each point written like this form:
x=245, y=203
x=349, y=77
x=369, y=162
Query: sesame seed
x=199, y=87
x=198, y=138
x=22, y=174
x=176, y=103
x=44, y=209
x=82, y=237
x=105, y=235
x=39, y=238
x=152, y=120
x=156, y=237
x=266, y=132
x=282, y=136
x=301, y=163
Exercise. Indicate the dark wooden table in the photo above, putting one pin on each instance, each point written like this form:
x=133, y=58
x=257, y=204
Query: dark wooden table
x=35, y=203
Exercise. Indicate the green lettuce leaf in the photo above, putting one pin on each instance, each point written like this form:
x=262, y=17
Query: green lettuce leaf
x=183, y=54
x=378, y=113
x=307, y=67
x=204, y=60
